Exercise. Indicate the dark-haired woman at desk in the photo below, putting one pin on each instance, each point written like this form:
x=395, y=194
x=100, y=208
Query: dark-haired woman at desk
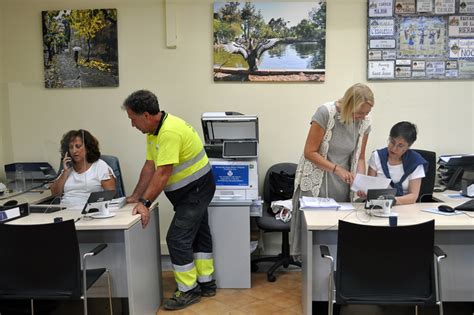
x=399, y=163
x=83, y=170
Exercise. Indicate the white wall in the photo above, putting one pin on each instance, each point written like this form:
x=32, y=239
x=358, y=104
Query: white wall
x=182, y=79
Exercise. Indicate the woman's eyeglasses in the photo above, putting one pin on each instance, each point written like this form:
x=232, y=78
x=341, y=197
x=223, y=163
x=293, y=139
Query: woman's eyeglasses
x=397, y=146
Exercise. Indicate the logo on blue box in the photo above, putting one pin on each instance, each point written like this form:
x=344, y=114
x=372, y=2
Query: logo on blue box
x=231, y=175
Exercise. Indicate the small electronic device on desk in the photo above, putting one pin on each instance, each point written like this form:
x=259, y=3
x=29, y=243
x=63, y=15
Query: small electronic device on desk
x=380, y=201
x=97, y=204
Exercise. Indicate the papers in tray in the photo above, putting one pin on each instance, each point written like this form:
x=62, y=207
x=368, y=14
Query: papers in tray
x=363, y=183
x=317, y=203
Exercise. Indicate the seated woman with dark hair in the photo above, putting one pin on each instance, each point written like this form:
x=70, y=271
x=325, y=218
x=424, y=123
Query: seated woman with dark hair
x=398, y=162
x=83, y=170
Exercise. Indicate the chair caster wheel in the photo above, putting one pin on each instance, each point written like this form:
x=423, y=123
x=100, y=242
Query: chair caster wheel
x=271, y=278
x=254, y=268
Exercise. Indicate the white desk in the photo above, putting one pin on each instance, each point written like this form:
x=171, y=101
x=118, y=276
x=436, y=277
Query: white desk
x=132, y=256
x=454, y=234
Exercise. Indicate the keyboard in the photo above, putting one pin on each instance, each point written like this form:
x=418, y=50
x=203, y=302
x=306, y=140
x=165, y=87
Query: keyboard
x=45, y=208
x=467, y=206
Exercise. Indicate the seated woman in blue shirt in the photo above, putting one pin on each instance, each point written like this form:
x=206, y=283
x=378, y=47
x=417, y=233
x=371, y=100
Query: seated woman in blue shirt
x=398, y=162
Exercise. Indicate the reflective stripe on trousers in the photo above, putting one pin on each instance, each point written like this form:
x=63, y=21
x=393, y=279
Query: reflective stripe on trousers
x=205, y=266
x=185, y=276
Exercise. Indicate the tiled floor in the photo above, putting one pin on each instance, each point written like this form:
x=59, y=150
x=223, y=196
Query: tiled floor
x=277, y=298
x=284, y=297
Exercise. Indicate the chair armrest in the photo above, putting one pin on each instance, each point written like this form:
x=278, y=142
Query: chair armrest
x=440, y=254
x=325, y=253
x=98, y=249
x=94, y=251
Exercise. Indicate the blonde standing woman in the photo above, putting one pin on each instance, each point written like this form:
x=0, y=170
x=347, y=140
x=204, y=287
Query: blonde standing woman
x=333, y=153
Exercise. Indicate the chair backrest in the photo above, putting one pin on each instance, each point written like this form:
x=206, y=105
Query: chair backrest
x=289, y=168
x=114, y=163
x=39, y=261
x=428, y=182
x=377, y=264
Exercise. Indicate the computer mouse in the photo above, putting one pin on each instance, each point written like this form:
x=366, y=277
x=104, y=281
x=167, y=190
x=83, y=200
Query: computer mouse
x=445, y=208
x=10, y=203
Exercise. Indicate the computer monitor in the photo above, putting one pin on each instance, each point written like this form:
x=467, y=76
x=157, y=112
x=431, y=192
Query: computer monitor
x=96, y=200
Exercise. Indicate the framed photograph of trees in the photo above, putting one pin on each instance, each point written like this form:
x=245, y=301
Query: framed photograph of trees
x=270, y=41
x=80, y=48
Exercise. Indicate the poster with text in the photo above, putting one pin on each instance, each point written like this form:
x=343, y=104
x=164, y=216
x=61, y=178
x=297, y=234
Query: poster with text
x=421, y=40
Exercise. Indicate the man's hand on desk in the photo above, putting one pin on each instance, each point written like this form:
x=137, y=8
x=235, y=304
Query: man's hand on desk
x=143, y=211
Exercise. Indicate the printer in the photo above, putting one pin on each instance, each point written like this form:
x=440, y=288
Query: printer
x=231, y=143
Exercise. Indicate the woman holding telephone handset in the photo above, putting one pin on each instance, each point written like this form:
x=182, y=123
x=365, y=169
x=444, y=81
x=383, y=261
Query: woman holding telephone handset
x=83, y=170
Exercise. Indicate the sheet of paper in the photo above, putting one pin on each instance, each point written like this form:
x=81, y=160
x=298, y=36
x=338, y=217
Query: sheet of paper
x=363, y=182
x=454, y=196
x=346, y=206
x=436, y=211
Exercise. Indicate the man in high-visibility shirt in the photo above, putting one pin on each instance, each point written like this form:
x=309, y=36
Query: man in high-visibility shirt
x=177, y=164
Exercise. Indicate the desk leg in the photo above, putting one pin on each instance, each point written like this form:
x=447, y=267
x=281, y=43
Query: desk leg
x=143, y=260
x=307, y=268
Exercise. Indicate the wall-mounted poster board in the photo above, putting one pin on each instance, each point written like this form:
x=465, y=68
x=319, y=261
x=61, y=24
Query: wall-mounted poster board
x=420, y=39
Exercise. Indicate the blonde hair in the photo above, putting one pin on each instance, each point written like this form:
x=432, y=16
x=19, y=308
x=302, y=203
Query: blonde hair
x=355, y=96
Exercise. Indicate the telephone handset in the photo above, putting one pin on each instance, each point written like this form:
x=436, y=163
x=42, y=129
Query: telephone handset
x=69, y=163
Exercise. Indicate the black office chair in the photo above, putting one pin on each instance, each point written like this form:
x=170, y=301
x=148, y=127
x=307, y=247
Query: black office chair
x=427, y=183
x=42, y=262
x=385, y=265
x=114, y=163
x=268, y=223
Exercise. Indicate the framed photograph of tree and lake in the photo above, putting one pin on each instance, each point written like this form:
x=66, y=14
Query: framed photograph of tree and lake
x=80, y=48
x=270, y=41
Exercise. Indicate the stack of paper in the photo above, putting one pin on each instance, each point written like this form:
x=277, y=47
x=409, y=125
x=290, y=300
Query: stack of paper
x=317, y=203
x=363, y=183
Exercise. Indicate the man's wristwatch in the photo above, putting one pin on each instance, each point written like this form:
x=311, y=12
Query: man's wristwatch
x=146, y=202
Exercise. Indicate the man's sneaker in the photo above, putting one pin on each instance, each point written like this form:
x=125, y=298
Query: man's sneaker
x=181, y=300
x=208, y=288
